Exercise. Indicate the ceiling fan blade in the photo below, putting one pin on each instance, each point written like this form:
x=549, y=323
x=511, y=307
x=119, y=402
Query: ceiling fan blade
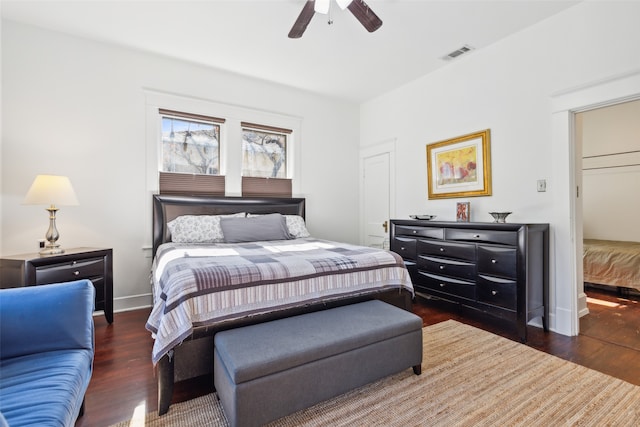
x=303, y=20
x=365, y=15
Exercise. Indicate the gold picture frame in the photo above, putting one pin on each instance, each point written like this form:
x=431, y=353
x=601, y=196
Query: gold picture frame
x=460, y=167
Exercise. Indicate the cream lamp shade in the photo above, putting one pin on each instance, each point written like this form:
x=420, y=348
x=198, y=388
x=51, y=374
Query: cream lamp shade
x=51, y=190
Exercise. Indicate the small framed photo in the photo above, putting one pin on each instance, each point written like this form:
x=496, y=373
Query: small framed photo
x=463, y=211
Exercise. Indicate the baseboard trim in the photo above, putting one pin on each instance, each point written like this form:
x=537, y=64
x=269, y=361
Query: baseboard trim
x=132, y=302
x=563, y=317
x=583, y=310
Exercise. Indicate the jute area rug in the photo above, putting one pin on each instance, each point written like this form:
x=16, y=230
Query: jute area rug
x=469, y=378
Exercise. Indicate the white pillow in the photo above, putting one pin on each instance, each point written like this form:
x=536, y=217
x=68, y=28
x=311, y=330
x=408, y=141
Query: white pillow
x=295, y=224
x=198, y=228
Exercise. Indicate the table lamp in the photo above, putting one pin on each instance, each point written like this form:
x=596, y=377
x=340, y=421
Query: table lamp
x=51, y=190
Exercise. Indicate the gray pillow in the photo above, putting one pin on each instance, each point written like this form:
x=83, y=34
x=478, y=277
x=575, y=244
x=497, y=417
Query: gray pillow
x=295, y=225
x=259, y=228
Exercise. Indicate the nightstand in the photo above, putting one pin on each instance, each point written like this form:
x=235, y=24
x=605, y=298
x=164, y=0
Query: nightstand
x=95, y=264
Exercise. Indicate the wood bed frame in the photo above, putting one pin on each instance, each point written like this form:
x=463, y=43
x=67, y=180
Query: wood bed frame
x=194, y=357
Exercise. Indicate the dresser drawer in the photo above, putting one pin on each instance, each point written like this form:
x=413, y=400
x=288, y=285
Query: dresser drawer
x=74, y=270
x=447, y=267
x=448, y=285
x=498, y=292
x=404, y=246
x=462, y=251
x=409, y=230
x=488, y=236
x=497, y=261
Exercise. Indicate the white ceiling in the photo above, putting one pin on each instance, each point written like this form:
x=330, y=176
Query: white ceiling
x=250, y=37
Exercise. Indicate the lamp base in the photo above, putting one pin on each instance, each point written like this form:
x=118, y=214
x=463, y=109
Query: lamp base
x=51, y=250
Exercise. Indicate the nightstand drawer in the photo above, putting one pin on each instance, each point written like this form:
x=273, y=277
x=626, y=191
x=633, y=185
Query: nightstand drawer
x=73, y=270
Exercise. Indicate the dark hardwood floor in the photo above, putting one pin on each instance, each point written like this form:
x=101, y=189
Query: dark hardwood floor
x=123, y=381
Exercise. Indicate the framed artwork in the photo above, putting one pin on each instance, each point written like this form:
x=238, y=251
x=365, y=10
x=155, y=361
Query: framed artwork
x=460, y=167
x=463, y=212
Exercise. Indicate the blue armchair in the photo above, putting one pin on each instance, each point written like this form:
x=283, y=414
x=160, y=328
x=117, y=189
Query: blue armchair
x=46, y=353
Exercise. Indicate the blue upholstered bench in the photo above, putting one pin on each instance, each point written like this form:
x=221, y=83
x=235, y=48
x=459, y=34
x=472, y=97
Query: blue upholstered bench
x=266, y=371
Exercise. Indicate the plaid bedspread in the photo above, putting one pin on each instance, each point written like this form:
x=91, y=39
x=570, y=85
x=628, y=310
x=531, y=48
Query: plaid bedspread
x=196, y=285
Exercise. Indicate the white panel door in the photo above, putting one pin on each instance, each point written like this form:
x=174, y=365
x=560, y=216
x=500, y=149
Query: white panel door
x=376, y=183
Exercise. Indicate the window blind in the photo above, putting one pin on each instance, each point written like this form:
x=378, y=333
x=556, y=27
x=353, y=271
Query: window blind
x=265, y=187
x=191, y=184
x=265, y=128
x=183, y=115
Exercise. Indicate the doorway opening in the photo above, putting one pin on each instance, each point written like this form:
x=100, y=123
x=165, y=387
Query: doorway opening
x=568, y=300
x=608, y=139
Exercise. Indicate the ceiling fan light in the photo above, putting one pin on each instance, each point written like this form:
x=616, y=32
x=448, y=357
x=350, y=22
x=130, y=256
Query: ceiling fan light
x=343, y=3
x=322, y=6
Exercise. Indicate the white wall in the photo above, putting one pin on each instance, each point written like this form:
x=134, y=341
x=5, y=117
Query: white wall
x=611, y=195
x=76, y=107
x=508, y=87
x=1, y=132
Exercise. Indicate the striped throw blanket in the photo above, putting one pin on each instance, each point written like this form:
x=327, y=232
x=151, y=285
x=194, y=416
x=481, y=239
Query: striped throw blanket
x=198, y=285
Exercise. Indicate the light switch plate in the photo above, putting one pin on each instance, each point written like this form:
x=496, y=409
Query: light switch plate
x=542, y=185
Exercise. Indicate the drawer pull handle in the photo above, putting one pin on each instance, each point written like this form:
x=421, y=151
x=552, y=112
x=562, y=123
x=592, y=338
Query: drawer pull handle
x=441, y=249
x=402, y=248
x=414, y=231
x=494, y=293
x=493, y=261
x=74, y=262
x=76, y=273
x=477, y=236
x=442, y=267
x=442, y=285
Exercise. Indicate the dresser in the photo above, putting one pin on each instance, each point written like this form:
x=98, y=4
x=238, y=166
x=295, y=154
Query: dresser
x=499, y=269
x=95, y=264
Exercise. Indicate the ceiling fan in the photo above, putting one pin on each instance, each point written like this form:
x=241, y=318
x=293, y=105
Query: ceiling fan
x=359, y=8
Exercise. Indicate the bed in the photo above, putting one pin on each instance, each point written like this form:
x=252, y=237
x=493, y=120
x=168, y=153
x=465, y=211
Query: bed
x=203, y=288
x=612, y=263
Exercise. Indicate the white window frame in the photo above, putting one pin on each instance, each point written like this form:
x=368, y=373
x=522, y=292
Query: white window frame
x=230, y=138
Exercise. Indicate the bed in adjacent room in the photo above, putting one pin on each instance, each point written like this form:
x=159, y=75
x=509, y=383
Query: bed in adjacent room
x=225, y=262
x=612, y=263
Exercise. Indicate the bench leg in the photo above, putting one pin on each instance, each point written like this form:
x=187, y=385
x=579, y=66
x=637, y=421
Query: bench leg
x=81, y=413
x=417, y=369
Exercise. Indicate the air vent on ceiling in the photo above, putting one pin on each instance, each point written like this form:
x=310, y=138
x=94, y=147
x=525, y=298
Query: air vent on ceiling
x=456, y=53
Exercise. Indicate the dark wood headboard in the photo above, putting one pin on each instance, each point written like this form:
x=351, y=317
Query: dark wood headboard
x=167, y=208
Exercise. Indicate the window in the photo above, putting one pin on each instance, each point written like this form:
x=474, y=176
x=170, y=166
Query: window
x=190, y=153
x=190, y=143
x=264, y=151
